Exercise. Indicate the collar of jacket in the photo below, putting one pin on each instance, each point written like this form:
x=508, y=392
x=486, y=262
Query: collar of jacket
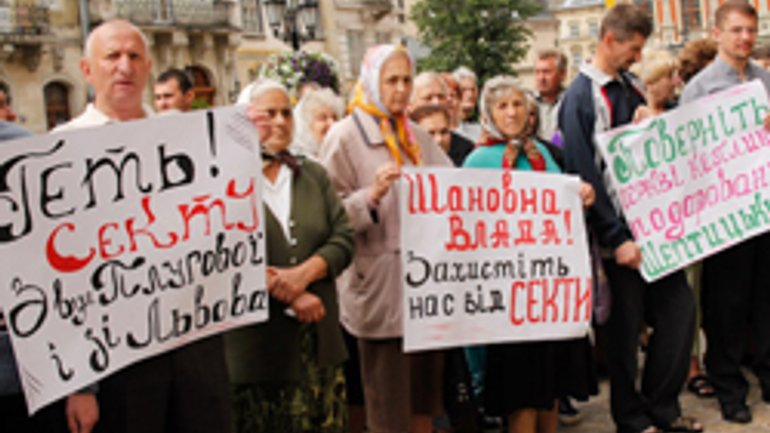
x=368, y=127
x=602, y=79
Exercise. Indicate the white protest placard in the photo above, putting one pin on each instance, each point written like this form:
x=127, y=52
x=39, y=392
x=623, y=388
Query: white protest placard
x=695, y=180
x=127, y=240
x=492, y=256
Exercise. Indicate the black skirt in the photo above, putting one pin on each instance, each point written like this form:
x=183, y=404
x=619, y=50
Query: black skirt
x=533, y=375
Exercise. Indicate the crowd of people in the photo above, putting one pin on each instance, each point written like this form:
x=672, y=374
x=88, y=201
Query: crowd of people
x=330, y=358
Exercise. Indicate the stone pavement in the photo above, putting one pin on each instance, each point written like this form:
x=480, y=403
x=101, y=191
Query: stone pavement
x=596, y=416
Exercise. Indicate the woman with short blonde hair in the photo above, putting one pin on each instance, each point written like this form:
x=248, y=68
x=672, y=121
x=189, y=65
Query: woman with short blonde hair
x=658, y=70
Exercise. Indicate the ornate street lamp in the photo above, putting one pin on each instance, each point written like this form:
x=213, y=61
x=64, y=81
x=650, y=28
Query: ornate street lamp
x=294, y=21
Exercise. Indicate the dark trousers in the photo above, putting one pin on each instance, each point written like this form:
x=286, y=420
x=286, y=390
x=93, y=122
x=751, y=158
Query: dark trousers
x=735, y=296
x=183, y=391
x=14, y=418
x=668, y=307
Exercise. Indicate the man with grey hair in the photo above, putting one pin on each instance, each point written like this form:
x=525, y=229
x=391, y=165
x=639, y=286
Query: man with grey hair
x=185, y=390
x=469, y=96
x=550, y=72
x=429, y=88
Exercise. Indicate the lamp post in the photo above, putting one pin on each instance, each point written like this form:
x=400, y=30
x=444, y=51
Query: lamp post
x=294, y=21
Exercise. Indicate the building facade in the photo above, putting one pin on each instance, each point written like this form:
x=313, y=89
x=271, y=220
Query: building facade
x=679, y=21
x=41, y=44
x=220, y=43
x=579, y=22
x=346, y=29
x=40, y=49
x=675, y=23
x=200, y=37
x=545, y=34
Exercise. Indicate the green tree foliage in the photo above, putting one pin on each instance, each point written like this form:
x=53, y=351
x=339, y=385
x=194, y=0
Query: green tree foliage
x=488, y=36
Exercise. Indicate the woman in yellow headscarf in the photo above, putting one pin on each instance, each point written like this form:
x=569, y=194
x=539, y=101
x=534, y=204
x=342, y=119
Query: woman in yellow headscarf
x=364, y=154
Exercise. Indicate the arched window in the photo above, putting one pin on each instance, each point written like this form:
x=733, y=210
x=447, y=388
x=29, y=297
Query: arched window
x=57, y=104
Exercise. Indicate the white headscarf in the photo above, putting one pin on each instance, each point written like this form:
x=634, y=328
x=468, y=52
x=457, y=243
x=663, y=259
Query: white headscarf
x=304, y=112
x=495, y=84
x=371, y=69
x=258, y=88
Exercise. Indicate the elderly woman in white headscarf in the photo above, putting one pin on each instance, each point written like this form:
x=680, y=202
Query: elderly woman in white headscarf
x=315, y=113
x=524, y=380
x=364, y=153
x=286, y=373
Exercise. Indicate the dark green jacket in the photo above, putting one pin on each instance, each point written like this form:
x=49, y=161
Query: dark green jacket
x=318, y=224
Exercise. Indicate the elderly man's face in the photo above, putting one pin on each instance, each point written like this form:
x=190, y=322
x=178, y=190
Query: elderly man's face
x=548, y=76
x=431, y=93
x=118, y=66
x=469, y=94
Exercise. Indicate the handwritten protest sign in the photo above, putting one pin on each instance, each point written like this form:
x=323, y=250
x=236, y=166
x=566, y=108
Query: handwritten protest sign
x=492, y=256
x=695, y=180
x=125, y=241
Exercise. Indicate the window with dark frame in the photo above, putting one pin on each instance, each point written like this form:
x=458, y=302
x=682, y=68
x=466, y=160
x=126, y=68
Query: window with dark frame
x=691, y=14
x=252, y=17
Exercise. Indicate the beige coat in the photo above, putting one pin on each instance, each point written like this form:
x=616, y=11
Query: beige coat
x=371, y=290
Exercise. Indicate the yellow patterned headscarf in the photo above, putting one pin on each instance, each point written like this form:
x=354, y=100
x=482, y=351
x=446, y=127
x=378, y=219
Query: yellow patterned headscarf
x=367, y=98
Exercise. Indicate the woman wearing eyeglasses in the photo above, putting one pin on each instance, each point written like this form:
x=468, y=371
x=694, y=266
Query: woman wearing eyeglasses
x=287, y=373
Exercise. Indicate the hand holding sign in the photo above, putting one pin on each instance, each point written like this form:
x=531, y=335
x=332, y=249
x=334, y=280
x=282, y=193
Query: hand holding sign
x=692, y=181
x=642, y=112
x=587, y=194
x=260, y=119
x=386, y=175
x=492, y=256
x=145, y=247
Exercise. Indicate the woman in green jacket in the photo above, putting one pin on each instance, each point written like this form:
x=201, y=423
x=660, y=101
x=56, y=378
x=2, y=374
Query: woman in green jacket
x=286, y=373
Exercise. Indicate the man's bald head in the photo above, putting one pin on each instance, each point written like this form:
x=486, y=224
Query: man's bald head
x=117, y=65
x=108, y=26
